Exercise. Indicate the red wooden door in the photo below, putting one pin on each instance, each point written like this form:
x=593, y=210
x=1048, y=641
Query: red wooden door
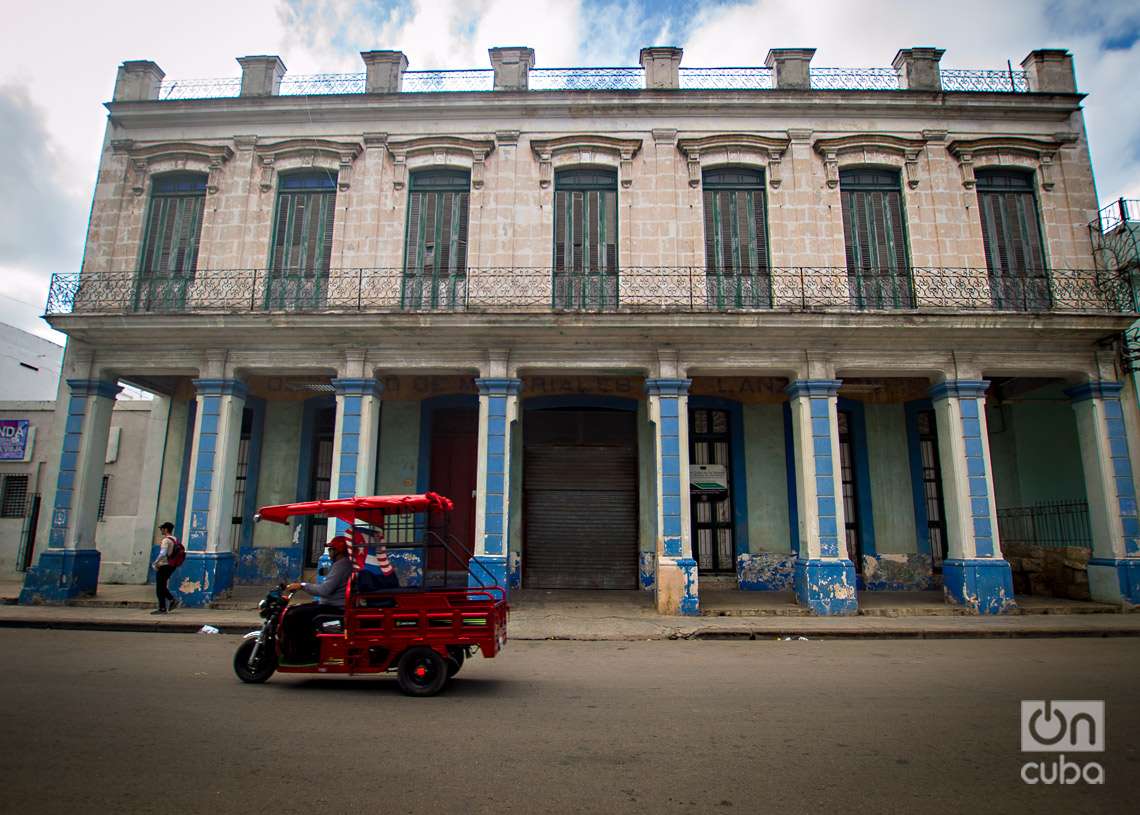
x=454, y=443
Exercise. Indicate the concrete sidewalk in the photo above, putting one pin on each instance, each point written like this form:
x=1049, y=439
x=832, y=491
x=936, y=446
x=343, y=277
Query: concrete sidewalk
x=584, y=615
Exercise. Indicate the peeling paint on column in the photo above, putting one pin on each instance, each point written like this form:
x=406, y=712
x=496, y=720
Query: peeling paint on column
x=690, y=601
x=981, y=586
x=898, y=572
x=765, y=571
x=647, y=571
x=514, y=569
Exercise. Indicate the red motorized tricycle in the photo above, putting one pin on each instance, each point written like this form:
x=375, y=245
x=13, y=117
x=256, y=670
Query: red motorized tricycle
x=422, y=631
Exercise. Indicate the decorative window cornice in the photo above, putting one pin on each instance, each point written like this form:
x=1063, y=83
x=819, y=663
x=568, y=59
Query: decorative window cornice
x=584, y=149
x=337, y=156
x=1040, y=151
x=734, y=148
x=440, y=151
x=143, y=160
x=870, y=148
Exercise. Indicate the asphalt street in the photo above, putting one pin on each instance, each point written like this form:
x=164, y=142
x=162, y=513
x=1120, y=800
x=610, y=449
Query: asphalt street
x=131, y=722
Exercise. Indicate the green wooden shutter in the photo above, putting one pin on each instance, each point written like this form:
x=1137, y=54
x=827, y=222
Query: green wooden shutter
x=1011, y=237
x=737, y=274
x=435, y=249
x=874, y=237
x=169, y=256
x=585, y=240
x=302, y=240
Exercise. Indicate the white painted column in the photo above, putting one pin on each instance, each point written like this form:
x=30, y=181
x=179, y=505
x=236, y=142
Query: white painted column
x=69, y=566
x=824, y=579
x=498, y=409
x=356, y=439
x=974, y=575
x=1114, y=569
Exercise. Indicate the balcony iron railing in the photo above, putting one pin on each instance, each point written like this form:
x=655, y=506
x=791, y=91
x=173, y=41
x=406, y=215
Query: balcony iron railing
x=1115, y=236
x=602, y=79
x=634, y=289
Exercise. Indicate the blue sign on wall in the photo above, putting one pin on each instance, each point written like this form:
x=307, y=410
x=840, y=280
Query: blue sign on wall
x=13, y=439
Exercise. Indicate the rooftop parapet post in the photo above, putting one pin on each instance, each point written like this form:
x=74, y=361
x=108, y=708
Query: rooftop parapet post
x=792, y=67
x=261, y=75
x=918, y=69
x=1050, y=70
x=384, y=71
x=512, y=66
x=662, y=64
x=138, y=80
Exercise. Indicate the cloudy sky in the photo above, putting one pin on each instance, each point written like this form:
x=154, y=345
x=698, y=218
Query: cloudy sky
x=52, y=88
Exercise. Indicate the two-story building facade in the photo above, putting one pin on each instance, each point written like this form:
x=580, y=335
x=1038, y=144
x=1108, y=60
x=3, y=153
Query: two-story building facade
x=778, y=328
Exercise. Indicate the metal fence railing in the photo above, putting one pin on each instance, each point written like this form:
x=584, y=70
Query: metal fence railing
x=622, y=78
x=1048, y=524
x=633, y=289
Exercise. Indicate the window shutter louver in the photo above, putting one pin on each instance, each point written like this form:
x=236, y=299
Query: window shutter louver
x=435, y=253
x=874, y=239
x=169, y=255
x=736, y=247
x=1011, y=239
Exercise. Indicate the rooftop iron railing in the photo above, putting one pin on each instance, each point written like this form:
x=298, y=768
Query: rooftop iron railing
x=687, y=289
x=602, y=79
x=1115, y=236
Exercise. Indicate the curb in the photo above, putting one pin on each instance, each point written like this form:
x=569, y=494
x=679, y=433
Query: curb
x=711, y=634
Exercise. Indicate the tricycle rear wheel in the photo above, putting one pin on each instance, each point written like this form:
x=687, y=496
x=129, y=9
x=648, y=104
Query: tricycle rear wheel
x=266, y=663
x=421, y=672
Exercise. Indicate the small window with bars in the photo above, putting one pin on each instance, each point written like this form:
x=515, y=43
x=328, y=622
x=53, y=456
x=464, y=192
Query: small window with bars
x=737, y=274
x=1011, y=236
x=14, y=500
x=103, y=496
x=874, y=237
x=435, y=249
x=585, y=239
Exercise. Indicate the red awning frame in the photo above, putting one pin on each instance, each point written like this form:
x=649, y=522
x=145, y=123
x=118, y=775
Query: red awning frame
x=372, y=509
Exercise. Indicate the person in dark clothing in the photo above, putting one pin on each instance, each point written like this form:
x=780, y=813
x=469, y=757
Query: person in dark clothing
x=163, y=569
x=300, y=631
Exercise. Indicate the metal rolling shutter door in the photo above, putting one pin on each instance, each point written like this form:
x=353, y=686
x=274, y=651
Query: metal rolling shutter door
x=581, y=514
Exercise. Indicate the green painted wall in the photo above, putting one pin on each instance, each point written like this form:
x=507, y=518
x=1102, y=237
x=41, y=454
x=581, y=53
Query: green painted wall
x=280, y=460
x=892, y=495
x=769, y=527
x=399, y=448
x=647, y=480
x=514, y=532
x=172, y=461
x=1036, y=453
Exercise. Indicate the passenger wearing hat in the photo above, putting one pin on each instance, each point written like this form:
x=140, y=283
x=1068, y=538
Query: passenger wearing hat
x=300, y=632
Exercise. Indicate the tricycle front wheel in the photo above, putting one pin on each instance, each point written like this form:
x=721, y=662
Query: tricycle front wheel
x=262, y=670
x=421, y=672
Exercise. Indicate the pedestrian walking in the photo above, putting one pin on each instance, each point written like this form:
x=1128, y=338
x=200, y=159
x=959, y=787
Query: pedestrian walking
x=170, y=555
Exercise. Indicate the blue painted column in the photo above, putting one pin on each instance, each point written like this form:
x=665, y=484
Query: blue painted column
x=354, y=445
x=498, y=408
x=974, y=575
x=69, y=566
x=824, y=578
x=1114, y=569
x=676, y=584
x=208, y=572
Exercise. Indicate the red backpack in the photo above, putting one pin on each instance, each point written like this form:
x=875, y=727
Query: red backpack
x=177, y=553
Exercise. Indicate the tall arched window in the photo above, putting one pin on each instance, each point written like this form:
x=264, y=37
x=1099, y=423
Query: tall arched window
x=435, y=244
x=737, y=274
x=874, y=236
x=585, y=239
x=302, y=240
x=1011, y=234
x=169, y=255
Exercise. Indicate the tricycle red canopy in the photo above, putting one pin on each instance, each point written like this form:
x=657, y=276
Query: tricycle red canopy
x=371, y=509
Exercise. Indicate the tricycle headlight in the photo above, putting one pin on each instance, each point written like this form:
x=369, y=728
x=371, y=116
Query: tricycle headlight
x=262, y=607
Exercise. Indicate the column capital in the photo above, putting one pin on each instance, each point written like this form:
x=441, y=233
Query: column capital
x=358, y=387
x=813, y=387
x=959, y=389
x=82, y=388
x=1095, y=390
x=220, y=387
x=667, y=387
x=499, y=386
